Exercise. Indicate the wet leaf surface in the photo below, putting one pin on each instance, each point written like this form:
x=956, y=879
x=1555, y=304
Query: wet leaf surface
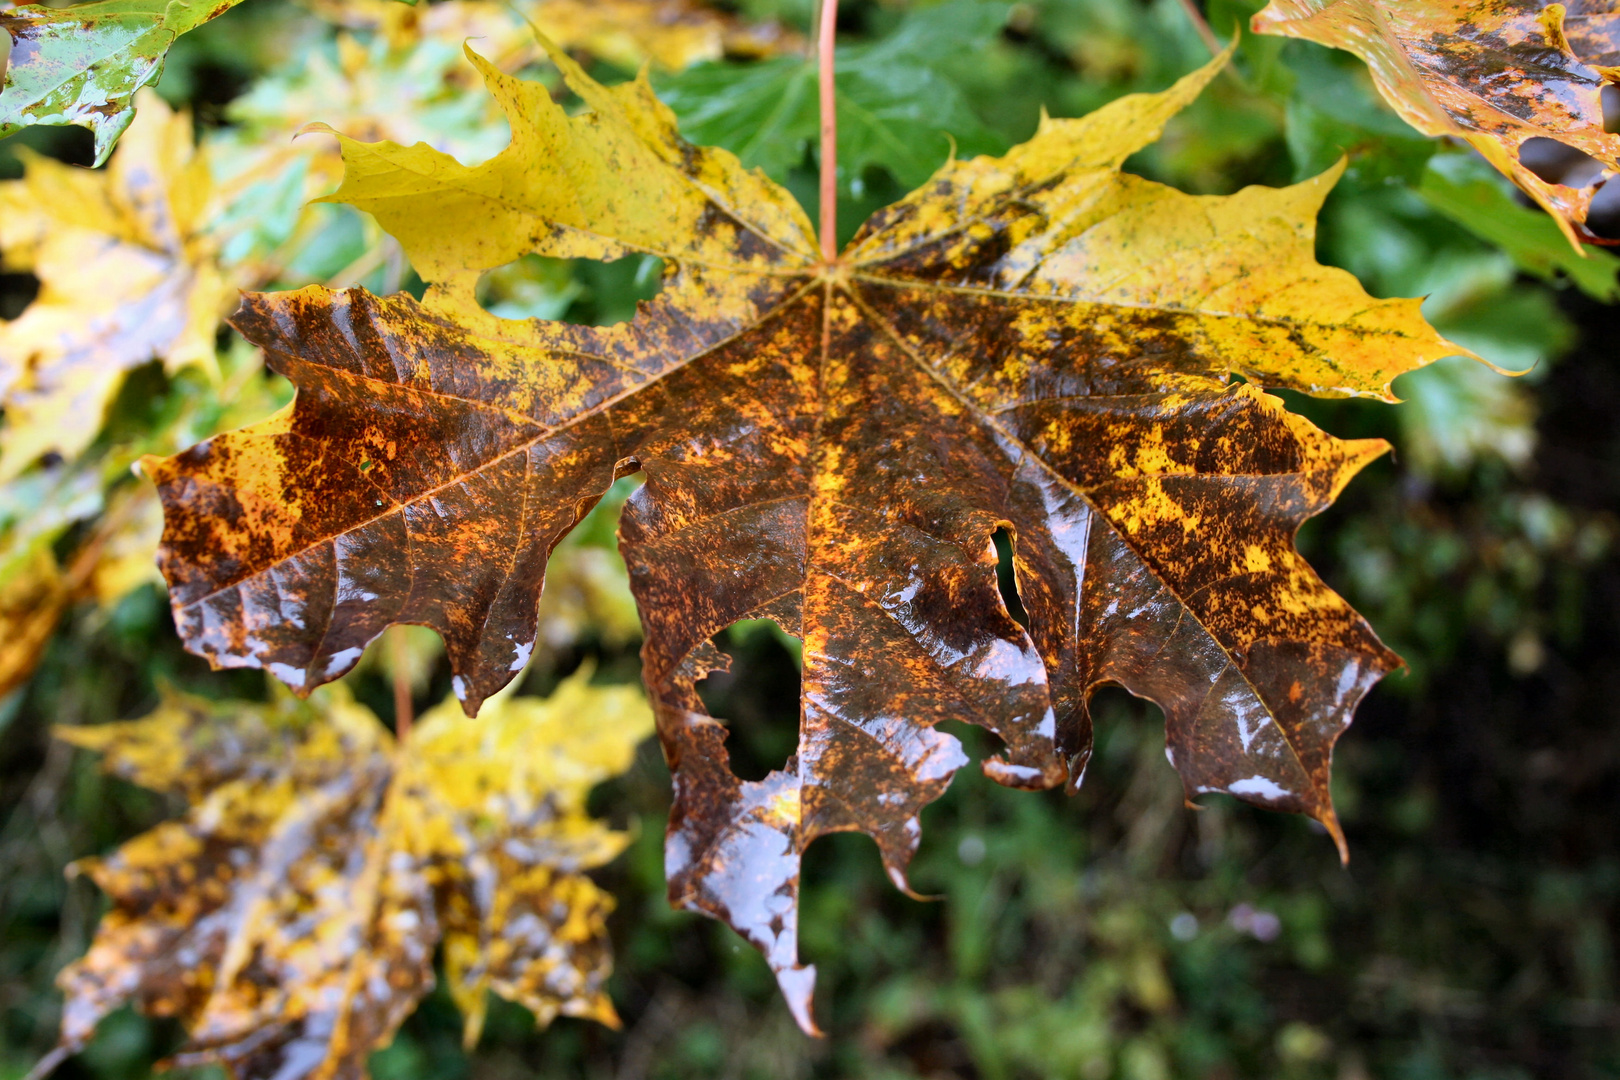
x=289, y=920
x=1496, y=73
x=1037, y=343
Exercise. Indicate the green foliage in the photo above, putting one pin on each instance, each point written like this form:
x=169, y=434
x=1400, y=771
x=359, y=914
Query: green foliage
x=1108, y=935
x=1468, y=192
x=898, y=108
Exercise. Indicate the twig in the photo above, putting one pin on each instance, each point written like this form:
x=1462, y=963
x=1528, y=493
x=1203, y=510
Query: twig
x=1201, y=24
x=48, y=1064
x=403, y=713
x=829, y=133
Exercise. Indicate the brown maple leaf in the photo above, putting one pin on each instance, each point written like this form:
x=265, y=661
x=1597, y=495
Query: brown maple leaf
x=1496, y=73
x=289, y=920
x=1037, y=343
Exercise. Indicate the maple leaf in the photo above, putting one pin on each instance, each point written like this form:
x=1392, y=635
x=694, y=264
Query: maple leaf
x=83, y=64
x=127, y=275
x=1493, y=74
x=1037, y=343
x=289, y=919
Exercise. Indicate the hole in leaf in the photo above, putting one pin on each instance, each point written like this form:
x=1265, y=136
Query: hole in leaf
x=1609, y=97
x=530, y=287
x=590, y=292
x=1603, y=216
x=1007, y=577
x=758, y=699
x=978, y=743
x=17, y=291
x=1559, y=163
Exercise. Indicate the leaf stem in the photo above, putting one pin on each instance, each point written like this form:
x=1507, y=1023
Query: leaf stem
x=1201, y=24
x=403, y=713
x=829, y=132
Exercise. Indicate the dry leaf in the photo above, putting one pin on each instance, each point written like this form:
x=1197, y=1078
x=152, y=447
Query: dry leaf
x=1038, y=343
x=289, y=919
x=1495, y=74
x=127, y=275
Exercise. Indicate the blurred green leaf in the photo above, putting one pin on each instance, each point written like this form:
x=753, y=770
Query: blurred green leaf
x=1468, y=191
x=895, y=107
x=1333, y=111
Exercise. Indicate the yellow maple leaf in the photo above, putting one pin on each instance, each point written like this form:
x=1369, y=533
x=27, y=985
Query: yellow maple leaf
x=127, y=275
x=289, y=919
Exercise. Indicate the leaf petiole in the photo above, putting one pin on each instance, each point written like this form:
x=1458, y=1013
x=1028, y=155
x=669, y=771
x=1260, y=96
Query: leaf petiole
x=829, y=132
x=404, y=713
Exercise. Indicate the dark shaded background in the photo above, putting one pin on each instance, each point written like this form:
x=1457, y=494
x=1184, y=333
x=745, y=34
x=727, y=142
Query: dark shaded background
x=1114, y=934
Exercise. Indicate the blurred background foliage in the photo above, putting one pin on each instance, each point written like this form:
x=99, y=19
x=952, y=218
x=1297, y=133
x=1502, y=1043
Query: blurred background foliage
x=1115, y=935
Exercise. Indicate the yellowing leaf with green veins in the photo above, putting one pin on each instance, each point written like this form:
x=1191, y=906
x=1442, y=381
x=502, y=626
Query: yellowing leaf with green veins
x=1038, y=345
x=127, y=275
x=289, y=920
x=84, y=64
